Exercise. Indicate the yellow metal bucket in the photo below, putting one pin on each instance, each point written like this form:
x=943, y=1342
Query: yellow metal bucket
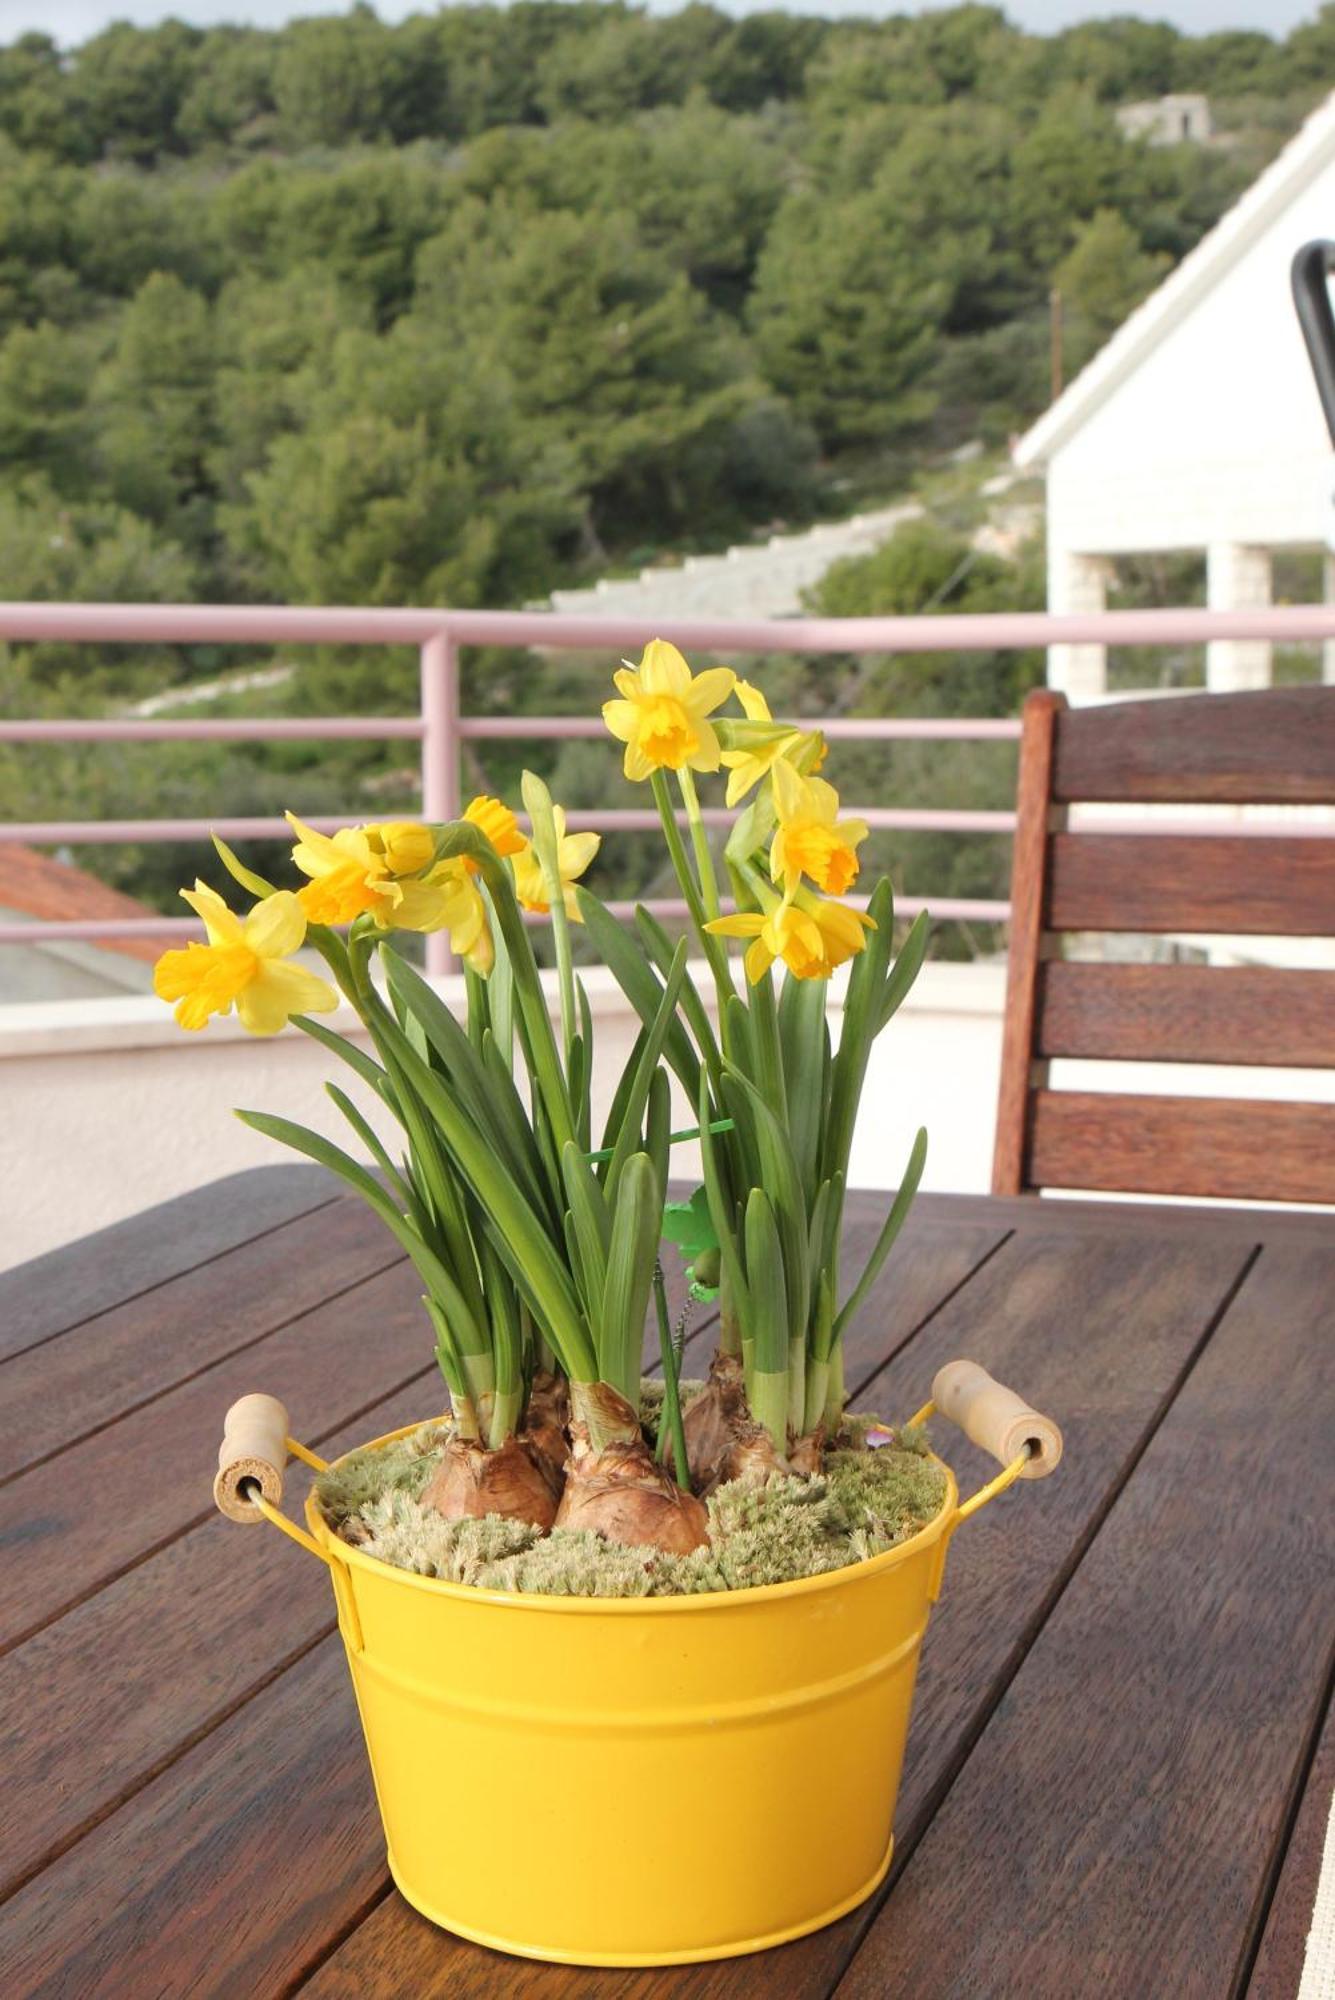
x=640, y=1781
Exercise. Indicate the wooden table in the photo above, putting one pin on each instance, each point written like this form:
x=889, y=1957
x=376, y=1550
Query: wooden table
x=1117, y=1780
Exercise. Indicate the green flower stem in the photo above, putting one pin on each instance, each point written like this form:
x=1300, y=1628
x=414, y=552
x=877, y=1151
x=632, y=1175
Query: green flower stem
x=834, y=1393
x=539, y=803
x=713, y=948
x=704, y=860
x=672, y=1422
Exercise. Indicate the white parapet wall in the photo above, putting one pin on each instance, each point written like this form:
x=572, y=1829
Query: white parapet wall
x=110, y=1108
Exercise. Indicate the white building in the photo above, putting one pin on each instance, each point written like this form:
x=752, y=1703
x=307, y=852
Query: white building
x=1181, y=119
x=1198, y=426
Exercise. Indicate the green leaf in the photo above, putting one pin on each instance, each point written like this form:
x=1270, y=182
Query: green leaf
x=660, y=948
x=632, y=1113
x=861, y=1010
x=805, y=1039
x=719, y=1195
x=906, y=968
x=657, y=1128
x=768, y=1318
x=521, y=1234
x=369, y=1138
x=894, y=1222
x=591, y=1221
x=779, y=1176
x=315, y=1147
x=639, y=982
x=366, y=1067
x=631, y=1256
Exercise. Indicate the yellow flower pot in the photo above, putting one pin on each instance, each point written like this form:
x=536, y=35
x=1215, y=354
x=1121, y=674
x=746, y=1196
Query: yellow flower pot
x=641, y=1781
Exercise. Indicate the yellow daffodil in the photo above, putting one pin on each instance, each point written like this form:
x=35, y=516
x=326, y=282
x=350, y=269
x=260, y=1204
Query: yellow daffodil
x=448, y=899
x=498, y=823
x=811, y=937
x=661, y=717
x=811, y=839
x=243, y=965
x=347, y=875
x=754, y=757
x=404, y=846
x=574, y=852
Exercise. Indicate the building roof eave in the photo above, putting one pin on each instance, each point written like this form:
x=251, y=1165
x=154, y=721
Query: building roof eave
x=1307, y=153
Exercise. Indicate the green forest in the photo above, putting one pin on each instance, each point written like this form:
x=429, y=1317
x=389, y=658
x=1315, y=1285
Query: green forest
x=496, y=299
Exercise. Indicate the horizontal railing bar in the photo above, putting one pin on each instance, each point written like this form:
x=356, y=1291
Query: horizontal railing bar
x=842, y=729
x=276, y=729
x=223, y=624
x=107, y=832
x=90, y=929
x=633, y=819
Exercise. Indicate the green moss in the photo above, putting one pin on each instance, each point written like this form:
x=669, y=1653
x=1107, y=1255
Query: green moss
x=363, y=1476
x=865, y=1502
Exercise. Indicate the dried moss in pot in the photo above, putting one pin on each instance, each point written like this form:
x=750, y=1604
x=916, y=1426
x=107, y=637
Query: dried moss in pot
x=759, y=1532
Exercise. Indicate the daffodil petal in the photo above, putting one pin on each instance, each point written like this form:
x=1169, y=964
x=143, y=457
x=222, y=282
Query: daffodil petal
x=754, y=705
x=744, y=923
x=708, y=691
x=790, y=791
x=663, y=670
x=622, y=719
x=759, y=958
x=277, y=992
x=223, y=925
x=575, y=852
x=275, y=927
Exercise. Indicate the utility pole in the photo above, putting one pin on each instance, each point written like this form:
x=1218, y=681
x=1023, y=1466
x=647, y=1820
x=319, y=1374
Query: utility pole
x=1055, y=340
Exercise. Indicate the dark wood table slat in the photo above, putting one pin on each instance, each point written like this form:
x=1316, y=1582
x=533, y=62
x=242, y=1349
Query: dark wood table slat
x=79, y=1520
x=1117, y=1820
x=999, y=1577
x=199, y=1816
x=1279, y=1960
x=63, y=1390
x=65, y=1287
x=229, y=1872
x=76, y=1739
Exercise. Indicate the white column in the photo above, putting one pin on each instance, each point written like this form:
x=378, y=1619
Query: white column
x=1078, y=584
x=1237, y=579
x=1328, y=594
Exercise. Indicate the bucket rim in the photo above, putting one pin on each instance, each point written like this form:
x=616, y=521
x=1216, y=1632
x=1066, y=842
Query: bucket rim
x=696, y=1602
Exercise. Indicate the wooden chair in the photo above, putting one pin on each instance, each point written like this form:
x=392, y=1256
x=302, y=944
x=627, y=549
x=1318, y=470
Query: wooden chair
x=1273, y=747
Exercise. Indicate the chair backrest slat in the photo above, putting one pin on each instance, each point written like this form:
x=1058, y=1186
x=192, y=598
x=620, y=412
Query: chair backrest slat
x=1274, y=747
x=1200, y=750
x=1266, y=885
x=1243, y=1014
x=1226, y=1148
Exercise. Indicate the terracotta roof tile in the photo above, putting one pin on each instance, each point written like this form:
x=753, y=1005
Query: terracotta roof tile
x=40, y=886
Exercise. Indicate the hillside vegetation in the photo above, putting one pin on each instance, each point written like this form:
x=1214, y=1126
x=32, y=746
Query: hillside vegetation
x=454, y=310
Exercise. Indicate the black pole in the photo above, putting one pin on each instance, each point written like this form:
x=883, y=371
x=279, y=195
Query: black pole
x=1309, y=274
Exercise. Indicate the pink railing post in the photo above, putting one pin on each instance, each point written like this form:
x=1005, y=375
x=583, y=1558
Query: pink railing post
x=440, y=758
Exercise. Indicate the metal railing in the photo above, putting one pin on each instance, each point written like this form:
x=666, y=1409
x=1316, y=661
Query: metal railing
x=440, y=728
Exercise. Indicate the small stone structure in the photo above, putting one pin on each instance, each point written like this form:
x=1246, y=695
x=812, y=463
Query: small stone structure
x=1182, y=119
